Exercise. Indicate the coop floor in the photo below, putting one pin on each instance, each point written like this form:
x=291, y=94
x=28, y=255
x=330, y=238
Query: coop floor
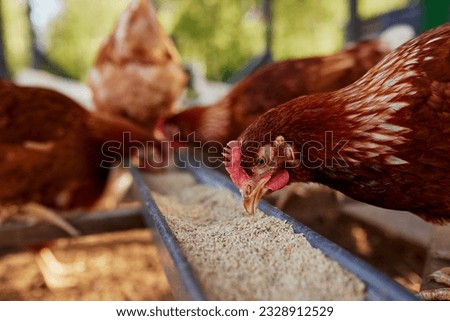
x=125, y=266
x=117, y=266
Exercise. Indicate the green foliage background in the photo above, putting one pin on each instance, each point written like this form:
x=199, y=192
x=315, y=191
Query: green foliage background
x=223, y=35
x=16, y=35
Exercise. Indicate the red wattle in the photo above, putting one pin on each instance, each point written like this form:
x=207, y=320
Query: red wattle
x=278, y=181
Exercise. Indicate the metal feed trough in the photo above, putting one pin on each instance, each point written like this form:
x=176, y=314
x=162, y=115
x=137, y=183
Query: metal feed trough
x=180, y=275
x=185, y=284
x=14, y=235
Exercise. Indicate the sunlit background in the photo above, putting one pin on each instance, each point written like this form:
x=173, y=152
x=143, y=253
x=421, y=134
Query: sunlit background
x=221, y=36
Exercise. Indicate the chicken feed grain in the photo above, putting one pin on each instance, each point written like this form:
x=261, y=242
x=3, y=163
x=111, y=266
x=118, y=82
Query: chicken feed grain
x=237, y=256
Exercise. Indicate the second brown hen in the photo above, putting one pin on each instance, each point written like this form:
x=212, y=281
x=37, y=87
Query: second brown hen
x=137, y=73
x=52, y=154
x=51, y=148
x=270, y=86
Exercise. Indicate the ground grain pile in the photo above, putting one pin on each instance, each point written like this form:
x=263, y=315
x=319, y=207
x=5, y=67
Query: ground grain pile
x=242, y=257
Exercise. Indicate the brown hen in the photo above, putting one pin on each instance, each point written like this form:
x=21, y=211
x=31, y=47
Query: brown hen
x=270, y=86
x=52, y=154
x=137, y=73
x=383, y=140
x=51, y=148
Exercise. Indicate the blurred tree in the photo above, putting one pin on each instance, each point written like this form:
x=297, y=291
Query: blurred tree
x=264, y=58
x=39, y=60
x=311, y=27
x=370, y=8
x=16, y=36
x=3, y=67
x=76, y=34
x=221, y=34
x=308, y=27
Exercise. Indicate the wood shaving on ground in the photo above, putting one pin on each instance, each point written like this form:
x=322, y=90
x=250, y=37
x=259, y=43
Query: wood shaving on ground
x=241, y=257
x=112, y=266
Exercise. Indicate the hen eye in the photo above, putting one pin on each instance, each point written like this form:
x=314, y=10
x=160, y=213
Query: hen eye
x=261, y=161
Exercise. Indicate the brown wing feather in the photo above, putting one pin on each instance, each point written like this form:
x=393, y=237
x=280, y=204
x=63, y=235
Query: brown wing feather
x=46, y=153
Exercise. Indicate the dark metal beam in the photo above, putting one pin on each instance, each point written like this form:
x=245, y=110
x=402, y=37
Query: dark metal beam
x=4, y=73
x=354, y=23
x=39, y=58
x=266, y=57
x=13, y=235
x=267, y=9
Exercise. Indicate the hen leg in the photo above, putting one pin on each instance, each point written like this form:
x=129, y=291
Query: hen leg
x=441, y=276
x=55, y=274
x=59, y=275
x=117, y=186
x=438, y=260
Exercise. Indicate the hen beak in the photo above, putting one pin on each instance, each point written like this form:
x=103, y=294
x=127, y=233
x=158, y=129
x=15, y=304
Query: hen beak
x=253, y=194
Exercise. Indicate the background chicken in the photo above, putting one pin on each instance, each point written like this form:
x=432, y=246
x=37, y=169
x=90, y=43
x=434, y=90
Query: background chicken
x=137, y=73
x=383, y=140
x=271, y=86
x=52, y=155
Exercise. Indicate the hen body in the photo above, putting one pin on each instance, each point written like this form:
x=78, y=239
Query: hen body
x=137, y=73
x=384, y=140
x=272, y=85
x=51, y=148
x=52, y=157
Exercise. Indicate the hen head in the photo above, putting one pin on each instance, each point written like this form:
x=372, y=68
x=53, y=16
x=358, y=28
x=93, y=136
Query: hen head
x=258, y=168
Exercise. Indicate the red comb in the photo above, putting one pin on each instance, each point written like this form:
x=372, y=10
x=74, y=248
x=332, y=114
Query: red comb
x=232, y=162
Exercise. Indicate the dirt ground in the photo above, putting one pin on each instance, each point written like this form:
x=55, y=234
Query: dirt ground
x=112, y=266
x=125, y=265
